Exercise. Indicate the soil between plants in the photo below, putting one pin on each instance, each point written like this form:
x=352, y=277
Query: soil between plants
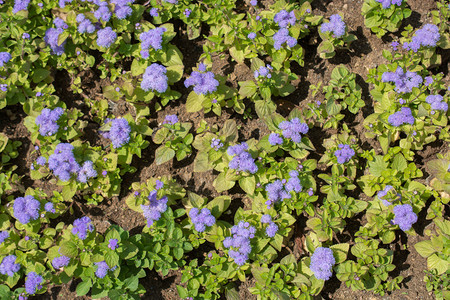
x=364, y=54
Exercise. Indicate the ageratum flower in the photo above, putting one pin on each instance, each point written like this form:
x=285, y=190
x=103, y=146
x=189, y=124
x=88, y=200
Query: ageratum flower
x=51, y=39
x=276, y=192
x=281, y=37
x=155, y=78
x=62, y=162
x=86, y=172
x=20, y=5
x=322, y=262
x=62, y=3
x=8, y=265
x=404, y=216
x=251, y=36
x=60, y=261
x=381, y=194
x=437, y=102
x=106, y=37
x=123, y=11
x=171, y=119
x=152, y=38
x=41, y=160
x=216, y=144
x=82, y=226
x=272, y=229
x=47, y=121
x=3, y=236
x=153, y=211
x=119, y=134
x=293, y=129
x=59, y=23
x=33, y=283
x=344, y=153
x=428, y=36
x=387, y=3
x=404, y=116
x=201, y=218
x=103, y=13
x=239, y=242
x=336, y=26
x=294, y=184
x=154, y=12
x=26, y=209
x=4, y=58
x=171, y=1
x=85, y=25
x=404, y=81
x=102, y=269
x=48, y=207
x=263, y=72
x=242, y=160
x=284, y=18
x=203, y=82
x=113, y=244
x=275, y=139
x=159, y=184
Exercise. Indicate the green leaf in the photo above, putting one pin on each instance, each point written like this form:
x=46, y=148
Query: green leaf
x=248, y=184
x=424, y=248
x=377, y=166
x=435, y=262
x=111, y=258
x=69, y=249
x=84, y=287
x=163, y=154
x=196, y=200
x=399, y=163
x=247, y=88
x=340, y=252
x=40, y=74
x=222, y=184
x=219, y=205
x=194, y=102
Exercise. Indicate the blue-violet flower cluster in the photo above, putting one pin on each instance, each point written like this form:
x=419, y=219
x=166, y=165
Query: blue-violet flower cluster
x=404, y=116
x=8, y=265
x=203, y=82
x=47, y=121
x=33, y=283
x=428, y=36
x=242, y=160
x=82, y=226
x=437, y=102
x=239, y=243
x=201, y=218
x=404, y=216
x=404, y=81
x=293, y=129
x=153, y=211
x=272, y=229
x=26, y=209
x=62, y=162
x=155, y=78
x=336, y=26
x=322, y=262
x=344, y=153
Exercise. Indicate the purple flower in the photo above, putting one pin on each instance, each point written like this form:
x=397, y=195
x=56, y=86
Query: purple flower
x=85, y=25
x=216, y=144
x=322, y=262
x=87, y=171
x=159, y=184
x=171, y=1
x=41, y=160
x=394, y=45
x=387, y=3
x=276, y=192
x=242, y=161
x=201, y=218
x=336, y=26
x=293, y=129
x=284, y=18
x=251, y=35
x=266, y=219
x=428, y=80
x=59, y=23
x=106, y=37
x=404, y=116
x=60, y=261
x=26, y=209
x=49, y=207
x=33, y=283
x=254, y=2
x=171, y=119
x=203, y=82
x=3, y=87
x=275, y=139
x=428, y=36
x=294, y=184
x=123, y=11
x=113, y=244
x=404, y=81
x=51, y=39
x=3, y=236
x=152, y=38
x=404, y=216
x=20, y=5
x=82, y=226
x=47, y=121
x=155, y=78
x=102, y=269
x=25, y=36
x=381, y=194
x=62, y=3
x=103, y=13
x=282, y=36
x=344, y=153
x=62, y=162
x=239, y=242
x=154, y=12
x=153, y=211
x=272, y=229
x=119, y=134
x=8, y=265
x=263, y=72
x=437, y=102
x=187, y=12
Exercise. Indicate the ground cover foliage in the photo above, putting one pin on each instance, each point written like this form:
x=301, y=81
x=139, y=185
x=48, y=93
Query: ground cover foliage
x=182, y=149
